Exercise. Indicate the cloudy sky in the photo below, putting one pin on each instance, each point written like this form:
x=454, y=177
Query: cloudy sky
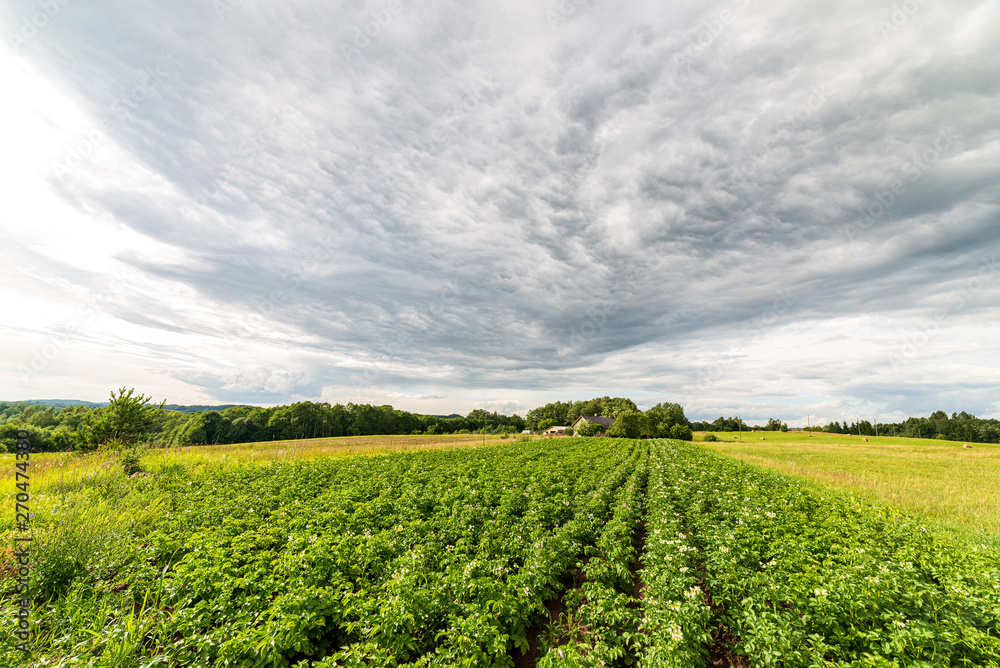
x=765, y=208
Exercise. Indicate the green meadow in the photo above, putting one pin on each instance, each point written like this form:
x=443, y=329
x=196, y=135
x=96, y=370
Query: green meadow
x=940, y=480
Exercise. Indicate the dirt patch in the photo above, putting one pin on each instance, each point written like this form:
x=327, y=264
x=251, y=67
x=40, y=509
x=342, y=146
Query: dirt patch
x=555, y=608
x=722, y=652
x=638, y=586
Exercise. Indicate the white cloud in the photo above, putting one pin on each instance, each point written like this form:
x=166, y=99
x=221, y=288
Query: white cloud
x=486, y=206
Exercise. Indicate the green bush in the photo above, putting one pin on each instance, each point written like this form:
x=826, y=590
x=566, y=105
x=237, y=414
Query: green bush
x=131, y=463
x=681, y=432
x=710, y=437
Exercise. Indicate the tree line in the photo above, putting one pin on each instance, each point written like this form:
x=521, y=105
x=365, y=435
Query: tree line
x=958, y=427
x=737, y=424
x=83, y=427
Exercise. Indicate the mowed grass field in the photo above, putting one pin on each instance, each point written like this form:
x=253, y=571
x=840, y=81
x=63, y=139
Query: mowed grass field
x=958, y=487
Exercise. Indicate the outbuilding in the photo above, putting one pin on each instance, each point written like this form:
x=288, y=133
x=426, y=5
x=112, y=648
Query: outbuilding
x=603, y=423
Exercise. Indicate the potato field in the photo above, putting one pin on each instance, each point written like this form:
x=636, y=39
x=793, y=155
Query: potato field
x=562, y=552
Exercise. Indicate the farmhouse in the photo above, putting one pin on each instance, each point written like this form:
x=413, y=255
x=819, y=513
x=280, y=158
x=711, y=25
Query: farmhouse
x=603, y=423
x=555, y=431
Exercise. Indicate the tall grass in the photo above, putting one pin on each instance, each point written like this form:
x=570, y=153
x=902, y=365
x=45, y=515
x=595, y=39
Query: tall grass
x=942, y=480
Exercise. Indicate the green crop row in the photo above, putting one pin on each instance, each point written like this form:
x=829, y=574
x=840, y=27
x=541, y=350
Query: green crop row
x=601, y=620
x=675, y=613
x=433, y=558
x=808, y=578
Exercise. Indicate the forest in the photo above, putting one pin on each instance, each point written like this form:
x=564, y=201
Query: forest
x=57, y=426
x=958, y=427
x=59, y=429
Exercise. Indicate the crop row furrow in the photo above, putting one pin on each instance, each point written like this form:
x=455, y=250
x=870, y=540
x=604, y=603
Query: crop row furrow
x=601, y=623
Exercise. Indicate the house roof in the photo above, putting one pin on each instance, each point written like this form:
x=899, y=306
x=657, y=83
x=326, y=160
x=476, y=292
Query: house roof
x=596, y=419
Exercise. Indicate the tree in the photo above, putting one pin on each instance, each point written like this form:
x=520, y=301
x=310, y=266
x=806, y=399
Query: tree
x=629, y=424
x=545, y=424
x=681, y=432
x=589, y=429
x=124, y=423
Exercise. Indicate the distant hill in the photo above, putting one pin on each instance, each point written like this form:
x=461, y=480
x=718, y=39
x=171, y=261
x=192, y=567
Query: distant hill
x=56, y=403
x=63, y=403
x=445, y=417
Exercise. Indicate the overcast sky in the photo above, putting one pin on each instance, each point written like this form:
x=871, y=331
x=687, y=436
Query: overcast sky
x=766, y=208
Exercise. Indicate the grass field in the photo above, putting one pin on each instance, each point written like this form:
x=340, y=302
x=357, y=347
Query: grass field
x=938, y=479
x=67, y=468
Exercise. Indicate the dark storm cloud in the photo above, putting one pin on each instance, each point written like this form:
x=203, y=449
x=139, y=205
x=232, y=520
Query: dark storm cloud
x=513, y=196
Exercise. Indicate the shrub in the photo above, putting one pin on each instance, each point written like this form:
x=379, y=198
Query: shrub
x=681, y=432
x=710, y=437
x=131, y=463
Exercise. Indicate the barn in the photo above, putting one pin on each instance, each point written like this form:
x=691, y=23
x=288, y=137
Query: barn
x=603, y=423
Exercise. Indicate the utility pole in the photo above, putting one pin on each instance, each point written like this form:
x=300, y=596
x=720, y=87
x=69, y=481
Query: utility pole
x=739, y=425
x=858, y=418
x=876, y=425
x=809, y=426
